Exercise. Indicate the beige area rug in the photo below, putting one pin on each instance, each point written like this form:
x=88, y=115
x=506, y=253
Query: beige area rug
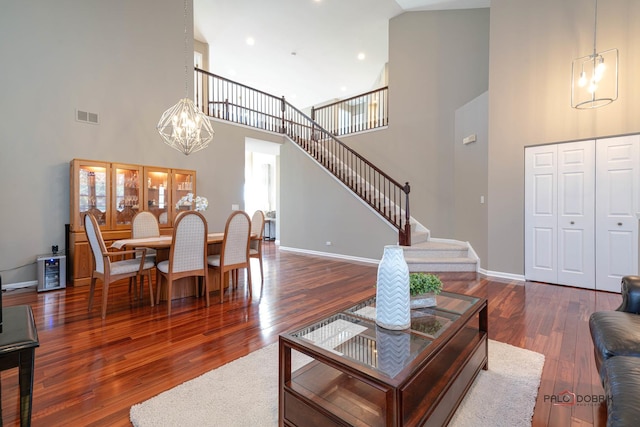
x=244, y=393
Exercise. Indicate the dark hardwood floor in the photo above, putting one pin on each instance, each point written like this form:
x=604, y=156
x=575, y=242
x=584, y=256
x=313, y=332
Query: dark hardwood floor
x=90, y=371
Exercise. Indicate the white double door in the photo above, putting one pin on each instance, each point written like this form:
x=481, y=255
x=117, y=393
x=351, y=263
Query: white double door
x=581, y=204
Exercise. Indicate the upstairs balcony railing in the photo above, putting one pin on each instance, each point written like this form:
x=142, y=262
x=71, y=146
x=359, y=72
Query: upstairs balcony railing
x=356, y=114
x=227, y=100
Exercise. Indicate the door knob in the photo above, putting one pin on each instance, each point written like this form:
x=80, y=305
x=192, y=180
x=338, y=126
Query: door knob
x=572, y=222
x=619, y=223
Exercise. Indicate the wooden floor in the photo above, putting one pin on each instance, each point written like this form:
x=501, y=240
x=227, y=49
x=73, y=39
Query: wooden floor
x=90, y=371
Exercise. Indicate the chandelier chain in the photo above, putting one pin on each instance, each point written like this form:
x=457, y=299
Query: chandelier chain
x=186, y=72
x=595, y=27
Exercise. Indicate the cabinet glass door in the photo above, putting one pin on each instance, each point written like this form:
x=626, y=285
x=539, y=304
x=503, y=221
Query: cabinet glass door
x=92, y=192
x=157, y=196
x=126, y=194
x=183, y=184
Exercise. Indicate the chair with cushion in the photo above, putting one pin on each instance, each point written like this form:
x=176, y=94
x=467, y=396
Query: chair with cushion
x=188, y=253
x=145, y=224
x=234, y=253
x=163, y=218
x=111, y=271
x=255, y=245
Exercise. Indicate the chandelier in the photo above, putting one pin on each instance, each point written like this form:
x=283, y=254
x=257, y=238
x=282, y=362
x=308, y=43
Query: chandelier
x=183, y=126
x=594, y=78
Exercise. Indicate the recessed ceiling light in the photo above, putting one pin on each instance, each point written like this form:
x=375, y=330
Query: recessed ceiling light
x=251, y=41
x=343, y=88
x=361, y=56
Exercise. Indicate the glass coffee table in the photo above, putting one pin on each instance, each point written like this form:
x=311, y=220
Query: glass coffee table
x=345, y=370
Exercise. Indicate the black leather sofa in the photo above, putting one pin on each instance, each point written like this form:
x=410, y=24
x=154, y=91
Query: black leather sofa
x=616, y=341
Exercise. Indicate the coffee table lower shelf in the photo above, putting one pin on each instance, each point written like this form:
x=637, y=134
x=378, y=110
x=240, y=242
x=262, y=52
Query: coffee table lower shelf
x=323, y=393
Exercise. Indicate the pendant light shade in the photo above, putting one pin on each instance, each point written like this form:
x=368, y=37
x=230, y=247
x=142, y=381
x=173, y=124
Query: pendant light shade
x=183, y=126
x=594, y=78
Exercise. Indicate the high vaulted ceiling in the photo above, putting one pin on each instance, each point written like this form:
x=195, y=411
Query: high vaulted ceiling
x=306, y=50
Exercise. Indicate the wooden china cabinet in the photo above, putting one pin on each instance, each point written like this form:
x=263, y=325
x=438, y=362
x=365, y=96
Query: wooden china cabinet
x=114, y=193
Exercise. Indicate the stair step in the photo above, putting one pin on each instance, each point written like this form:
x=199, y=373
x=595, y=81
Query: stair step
x=431, y=249
x=441, y=264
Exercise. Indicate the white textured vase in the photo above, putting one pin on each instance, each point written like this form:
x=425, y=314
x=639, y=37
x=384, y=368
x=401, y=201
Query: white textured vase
x=392, y=290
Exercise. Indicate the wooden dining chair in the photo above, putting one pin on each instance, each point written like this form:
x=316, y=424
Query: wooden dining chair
x=234, y=253
x=255, y=245
x=109, y=271
x=187, y=256
x=144, y=224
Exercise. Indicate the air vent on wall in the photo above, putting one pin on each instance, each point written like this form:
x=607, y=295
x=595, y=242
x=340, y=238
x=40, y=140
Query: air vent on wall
x=86, y=117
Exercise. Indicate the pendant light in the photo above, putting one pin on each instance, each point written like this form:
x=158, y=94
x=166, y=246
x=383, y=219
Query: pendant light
x=594, y=78
x=183, y=126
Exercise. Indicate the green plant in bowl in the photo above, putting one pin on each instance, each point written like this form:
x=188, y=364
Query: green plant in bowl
x=423, y=283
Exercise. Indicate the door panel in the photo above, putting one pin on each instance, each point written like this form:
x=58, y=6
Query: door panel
x=576, y=193
x=617, y=194
x=543, y=243
x=540, y=214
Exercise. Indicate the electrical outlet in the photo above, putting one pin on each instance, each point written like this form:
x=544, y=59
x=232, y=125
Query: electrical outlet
x=328, y=243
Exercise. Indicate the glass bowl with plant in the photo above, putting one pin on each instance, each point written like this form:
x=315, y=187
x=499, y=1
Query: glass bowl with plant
x=423, y=288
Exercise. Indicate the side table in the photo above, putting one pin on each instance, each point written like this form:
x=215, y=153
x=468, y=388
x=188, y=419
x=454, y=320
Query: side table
x=18, y=342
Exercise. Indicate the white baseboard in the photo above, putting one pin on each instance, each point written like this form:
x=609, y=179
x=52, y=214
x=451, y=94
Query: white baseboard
x=330, y=255
x=20, y=285
x=497, y=274
x=501, y=275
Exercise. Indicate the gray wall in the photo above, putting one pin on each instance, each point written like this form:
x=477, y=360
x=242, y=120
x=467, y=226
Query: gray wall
x=532, y=46
x=90, y=55
x=315, y=208
x=470, y=176
x=115, y=58
x=438, y=62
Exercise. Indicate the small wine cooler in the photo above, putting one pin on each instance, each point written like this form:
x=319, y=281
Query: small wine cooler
x=51, y=272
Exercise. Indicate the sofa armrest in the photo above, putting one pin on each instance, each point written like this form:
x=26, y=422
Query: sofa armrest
x=630, y=295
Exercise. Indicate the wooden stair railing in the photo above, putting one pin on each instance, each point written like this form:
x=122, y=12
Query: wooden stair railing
x=358, y=113
x=227, y=100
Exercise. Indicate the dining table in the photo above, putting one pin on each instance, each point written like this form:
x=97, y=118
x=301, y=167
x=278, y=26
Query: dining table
x=162, y=245
x=160, y=242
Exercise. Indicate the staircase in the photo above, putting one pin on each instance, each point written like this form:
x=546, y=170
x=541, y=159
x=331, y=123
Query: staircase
x=232, y=101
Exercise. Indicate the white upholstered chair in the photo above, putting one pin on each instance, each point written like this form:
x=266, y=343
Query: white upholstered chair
x=110, y=271
x=144, y=224
x=188, y=253
x=234, y=253
x=163, y=218
x=255, y=245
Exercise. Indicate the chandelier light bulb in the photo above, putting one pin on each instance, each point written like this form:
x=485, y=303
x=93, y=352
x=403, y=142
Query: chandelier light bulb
x=600, y=68
x=582, y=82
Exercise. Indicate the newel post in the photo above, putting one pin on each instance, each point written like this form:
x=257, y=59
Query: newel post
x=407, y=224
x=283, y=108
